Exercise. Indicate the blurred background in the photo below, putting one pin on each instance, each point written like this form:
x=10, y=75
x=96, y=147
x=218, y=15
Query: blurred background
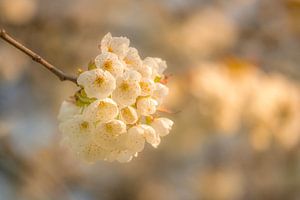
x=234, y=70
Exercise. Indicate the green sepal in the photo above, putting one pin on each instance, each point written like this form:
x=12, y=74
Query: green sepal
x=148, y=120
x=157, y=79
x=92, y=65
x=82, y=99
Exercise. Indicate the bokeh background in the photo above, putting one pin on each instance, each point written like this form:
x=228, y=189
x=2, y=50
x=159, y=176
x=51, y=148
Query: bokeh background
x=234, y=69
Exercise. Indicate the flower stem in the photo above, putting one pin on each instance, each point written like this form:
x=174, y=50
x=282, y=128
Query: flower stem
x=35, y=57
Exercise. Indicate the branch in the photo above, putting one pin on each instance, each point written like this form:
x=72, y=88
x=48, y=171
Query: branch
x=35, y=57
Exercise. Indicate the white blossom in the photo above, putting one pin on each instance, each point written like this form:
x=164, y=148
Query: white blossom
x=92, y=151
x=132, y=59
x=122, y=156
x=147, y=87
x=110, y=135
x=101, y=110
x=110, y=62
x=67, y=110
x=129, y=115
x=150, y=62
x=116, y=45
x=162, y=126
x=145, y=71
x=113, y=128
x=157, y=65
x=146, y=106
x=132, y=75
x=136, y=139
x=112, y=115
x=97, y=83
x=161, y=65
x=128, y=89
x=75, y=131
x=151, y=136
x=160, y=92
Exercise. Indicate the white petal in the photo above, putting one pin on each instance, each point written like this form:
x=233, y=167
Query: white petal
x=117, y=45
x=147, y=87
x=135, y=140
x=67, y=110
x=151, y=136
x=111, y=136
x=146, y=106
x=162, y=65
x=92, y=151
x=124, y=156
x=157, y=65
x=110, y=62
x=131, y=75
x=75, y=132
x=151, y=62
x=105, y=42
x=132, y=59
x=113, y=127
x=101, y=111
x=126, y=92
x=145, y=71
x=160, y=92
x=162, y=126
x=97, y=83
x=129, y=115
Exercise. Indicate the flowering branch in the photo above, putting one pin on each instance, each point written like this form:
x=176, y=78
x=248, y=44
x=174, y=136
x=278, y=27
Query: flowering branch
x=35, y=57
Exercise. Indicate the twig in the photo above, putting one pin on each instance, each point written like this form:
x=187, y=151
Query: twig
x=60, y=74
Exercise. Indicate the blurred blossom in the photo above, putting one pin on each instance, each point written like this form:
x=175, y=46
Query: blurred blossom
x=274, y=111
x=204, y=33
x=220, y=184
x=220, y=98
x=18, y=11
x=235, y=95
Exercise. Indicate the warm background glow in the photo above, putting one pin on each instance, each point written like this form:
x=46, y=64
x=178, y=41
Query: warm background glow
x=234, y=71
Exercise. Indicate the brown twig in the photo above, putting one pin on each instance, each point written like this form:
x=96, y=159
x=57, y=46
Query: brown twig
x=60, y=74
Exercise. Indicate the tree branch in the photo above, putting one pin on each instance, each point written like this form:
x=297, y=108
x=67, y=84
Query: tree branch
x=60, y=74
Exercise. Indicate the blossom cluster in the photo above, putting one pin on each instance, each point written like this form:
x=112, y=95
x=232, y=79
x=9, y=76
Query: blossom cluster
x=238, y=97
x=114, y=112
